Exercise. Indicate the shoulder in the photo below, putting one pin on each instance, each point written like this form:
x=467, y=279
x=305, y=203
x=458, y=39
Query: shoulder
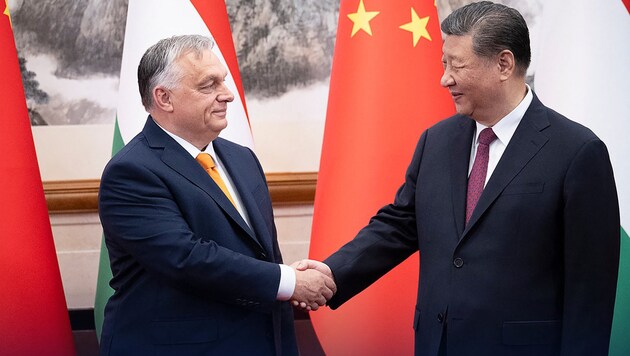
x=223, y=147
x=566, y=137
x=229, y=145
x=136, y=146
x=130, y=158
x=557, y=126
x=449, y=127
x=453, y=122
x=238, y=155
x=568, y=129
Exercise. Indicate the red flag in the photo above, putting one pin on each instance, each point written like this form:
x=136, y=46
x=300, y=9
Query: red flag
x=34, y=317
x=384, y=92
x=215, y=16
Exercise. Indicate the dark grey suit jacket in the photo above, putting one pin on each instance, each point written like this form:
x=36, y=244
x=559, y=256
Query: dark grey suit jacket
x=535, y=270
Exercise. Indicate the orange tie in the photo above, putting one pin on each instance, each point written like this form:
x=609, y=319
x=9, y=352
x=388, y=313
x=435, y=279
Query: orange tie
x=206, y=161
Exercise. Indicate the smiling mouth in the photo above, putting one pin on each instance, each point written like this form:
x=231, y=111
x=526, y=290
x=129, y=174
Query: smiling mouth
x=220, y=112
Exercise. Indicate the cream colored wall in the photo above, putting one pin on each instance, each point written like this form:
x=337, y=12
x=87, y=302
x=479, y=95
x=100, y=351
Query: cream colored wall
x=72, y=152
x=78, y=240
x=286, y=140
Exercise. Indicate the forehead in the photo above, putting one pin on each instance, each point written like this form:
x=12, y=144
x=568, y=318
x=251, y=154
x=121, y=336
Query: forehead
x=457, y=46
x=205, y=62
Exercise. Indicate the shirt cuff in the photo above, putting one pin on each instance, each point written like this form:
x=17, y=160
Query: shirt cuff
x=287, y=283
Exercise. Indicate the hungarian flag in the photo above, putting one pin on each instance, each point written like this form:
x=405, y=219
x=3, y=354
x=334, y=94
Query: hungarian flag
x=384, y=92
x=33, y=316
x=149, y=21
x=583, y=71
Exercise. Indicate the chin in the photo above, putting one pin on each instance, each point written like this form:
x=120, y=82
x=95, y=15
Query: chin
x=462, y=111
x=218, y=124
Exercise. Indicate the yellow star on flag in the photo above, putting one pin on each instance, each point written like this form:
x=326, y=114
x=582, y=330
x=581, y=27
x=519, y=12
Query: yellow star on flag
x=417, y=26
x=361, y=19
x=6, y=12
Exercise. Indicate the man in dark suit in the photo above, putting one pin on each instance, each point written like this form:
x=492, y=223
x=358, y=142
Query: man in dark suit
x=512, y=206
x=195, y=260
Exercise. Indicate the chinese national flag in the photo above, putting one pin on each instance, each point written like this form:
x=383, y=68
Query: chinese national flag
x=33, y=315
x=384, y=92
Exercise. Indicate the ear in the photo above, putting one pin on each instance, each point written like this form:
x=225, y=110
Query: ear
x=506, y=64
x=162, y=99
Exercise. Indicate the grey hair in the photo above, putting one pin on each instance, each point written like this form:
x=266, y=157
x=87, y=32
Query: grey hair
x=494, y=28
x=157, y=66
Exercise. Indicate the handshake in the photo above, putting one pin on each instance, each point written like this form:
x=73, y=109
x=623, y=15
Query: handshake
x=314, y=284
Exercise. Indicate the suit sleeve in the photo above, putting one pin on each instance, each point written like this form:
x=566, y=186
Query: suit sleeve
x=591, y=251
x=143, y=224
x=388, y=239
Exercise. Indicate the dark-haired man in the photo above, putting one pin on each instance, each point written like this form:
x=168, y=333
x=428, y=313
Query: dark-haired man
x=519, y=254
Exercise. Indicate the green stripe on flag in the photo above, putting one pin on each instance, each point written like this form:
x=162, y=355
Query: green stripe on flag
x=103, y=290
x=117, y=143
x=620, y=336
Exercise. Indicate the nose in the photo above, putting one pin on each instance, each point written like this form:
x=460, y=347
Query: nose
x=447, y=79
x=225, y=94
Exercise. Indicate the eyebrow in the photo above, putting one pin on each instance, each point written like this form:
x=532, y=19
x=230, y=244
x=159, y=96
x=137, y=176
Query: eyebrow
x=210, y=79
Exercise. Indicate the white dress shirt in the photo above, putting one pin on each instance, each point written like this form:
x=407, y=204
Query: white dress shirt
x=504, y=130
x=287, y=274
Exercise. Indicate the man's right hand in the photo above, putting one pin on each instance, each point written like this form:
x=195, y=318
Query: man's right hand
x=314, y=284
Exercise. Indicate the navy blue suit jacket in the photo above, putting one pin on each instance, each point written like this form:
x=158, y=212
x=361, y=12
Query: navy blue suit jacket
x=533, y=273
x=190, y=276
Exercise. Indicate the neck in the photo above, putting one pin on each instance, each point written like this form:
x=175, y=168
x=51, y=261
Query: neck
x=513, y=95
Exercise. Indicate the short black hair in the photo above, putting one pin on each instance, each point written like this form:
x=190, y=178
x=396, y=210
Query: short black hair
x=494, y=28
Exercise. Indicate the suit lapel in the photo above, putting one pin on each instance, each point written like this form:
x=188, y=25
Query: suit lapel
x=526, y=142
x=460, y=147
x=175, y=157
x=239, y=173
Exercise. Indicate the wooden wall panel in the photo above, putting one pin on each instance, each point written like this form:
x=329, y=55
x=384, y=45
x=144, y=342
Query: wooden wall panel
x=82, y=195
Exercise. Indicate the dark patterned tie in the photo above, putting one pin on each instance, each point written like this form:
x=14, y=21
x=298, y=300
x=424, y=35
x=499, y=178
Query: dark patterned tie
x=479, y=170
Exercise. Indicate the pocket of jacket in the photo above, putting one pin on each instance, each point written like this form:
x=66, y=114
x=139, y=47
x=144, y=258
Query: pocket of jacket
x=188, y=331
x=524, y=188
x=532, y=332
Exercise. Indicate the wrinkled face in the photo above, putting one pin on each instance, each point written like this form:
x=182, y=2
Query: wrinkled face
x=200, y=98
x=473, y=81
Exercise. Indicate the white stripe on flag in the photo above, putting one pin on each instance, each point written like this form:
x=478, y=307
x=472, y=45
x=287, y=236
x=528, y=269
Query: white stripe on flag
x=583, y=72
x=148, y=21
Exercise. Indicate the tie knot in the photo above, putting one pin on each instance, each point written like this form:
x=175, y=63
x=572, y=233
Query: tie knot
x=487, y=136
x=205, y=160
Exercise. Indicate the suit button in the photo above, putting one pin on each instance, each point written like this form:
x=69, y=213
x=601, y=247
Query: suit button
x=440, y=317
x=458, y=262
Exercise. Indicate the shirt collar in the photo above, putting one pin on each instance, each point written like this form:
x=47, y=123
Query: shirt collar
x=505, y=128
x=189, y=147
